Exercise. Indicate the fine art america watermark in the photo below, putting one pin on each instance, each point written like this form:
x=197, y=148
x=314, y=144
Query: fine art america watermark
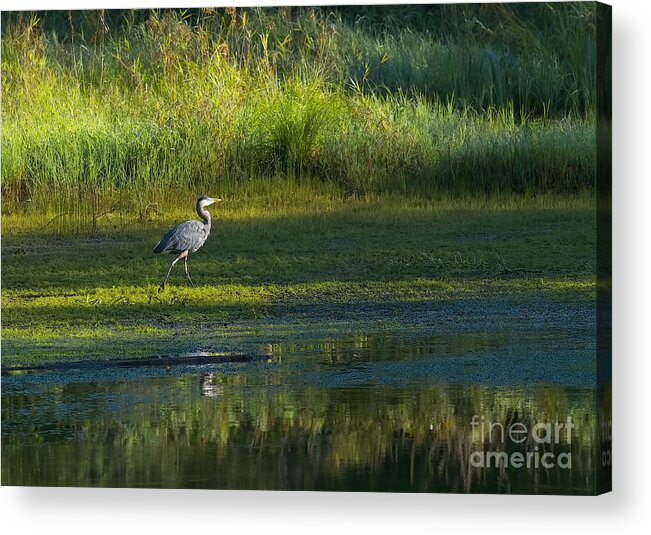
x=533, y=446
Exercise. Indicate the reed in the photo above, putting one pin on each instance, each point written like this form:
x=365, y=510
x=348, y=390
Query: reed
x=124, y=111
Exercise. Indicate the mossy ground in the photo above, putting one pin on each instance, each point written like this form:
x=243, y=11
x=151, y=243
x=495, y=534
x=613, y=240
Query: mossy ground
x=270, y=273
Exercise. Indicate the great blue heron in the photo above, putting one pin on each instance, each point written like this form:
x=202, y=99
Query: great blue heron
x=186, y=237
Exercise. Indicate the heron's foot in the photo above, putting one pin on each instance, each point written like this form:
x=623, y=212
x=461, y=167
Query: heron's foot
x=161, y=287
x=191, y=283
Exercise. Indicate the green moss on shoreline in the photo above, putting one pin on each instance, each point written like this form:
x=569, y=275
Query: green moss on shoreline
x=362, y=264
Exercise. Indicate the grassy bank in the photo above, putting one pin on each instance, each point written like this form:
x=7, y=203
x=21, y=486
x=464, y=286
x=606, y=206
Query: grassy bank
x=282, y=274
x=400, y=168
x=118, y=111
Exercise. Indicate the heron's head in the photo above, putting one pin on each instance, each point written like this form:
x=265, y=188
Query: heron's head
x=204, y=201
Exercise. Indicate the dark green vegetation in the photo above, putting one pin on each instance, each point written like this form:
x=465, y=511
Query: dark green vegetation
x=106, y=113
x=269, y=274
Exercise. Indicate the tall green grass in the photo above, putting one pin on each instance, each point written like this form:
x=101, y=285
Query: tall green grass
x=120, y=111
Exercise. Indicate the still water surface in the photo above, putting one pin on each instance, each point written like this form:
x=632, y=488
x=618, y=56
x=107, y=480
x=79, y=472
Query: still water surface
x=356, y=412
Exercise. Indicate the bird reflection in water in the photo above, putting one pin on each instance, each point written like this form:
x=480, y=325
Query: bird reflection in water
x=208, y=387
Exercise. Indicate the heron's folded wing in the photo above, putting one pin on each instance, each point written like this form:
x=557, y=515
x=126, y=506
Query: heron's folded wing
x=183, y=237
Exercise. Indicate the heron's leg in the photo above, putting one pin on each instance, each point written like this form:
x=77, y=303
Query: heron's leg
x=187, y=273
x=162, y=286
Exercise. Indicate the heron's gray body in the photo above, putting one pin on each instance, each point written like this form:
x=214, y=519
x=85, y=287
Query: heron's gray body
x=187, y=237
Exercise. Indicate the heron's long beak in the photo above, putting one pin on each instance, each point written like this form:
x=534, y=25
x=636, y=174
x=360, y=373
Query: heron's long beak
x=214, y=199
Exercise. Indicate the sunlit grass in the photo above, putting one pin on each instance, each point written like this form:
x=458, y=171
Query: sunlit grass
x=120, y=123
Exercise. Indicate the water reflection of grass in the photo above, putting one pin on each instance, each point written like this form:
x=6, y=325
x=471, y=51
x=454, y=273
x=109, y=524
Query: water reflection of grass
x=249, y=432
x=382, y=262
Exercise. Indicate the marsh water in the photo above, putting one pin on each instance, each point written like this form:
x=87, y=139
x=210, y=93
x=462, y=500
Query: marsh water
x=357, y=412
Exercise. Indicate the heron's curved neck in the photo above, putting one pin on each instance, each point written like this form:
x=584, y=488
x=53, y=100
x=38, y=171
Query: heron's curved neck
x=203, y=214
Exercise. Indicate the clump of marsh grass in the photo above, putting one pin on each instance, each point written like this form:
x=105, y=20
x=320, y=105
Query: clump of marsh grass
x=121, y=112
